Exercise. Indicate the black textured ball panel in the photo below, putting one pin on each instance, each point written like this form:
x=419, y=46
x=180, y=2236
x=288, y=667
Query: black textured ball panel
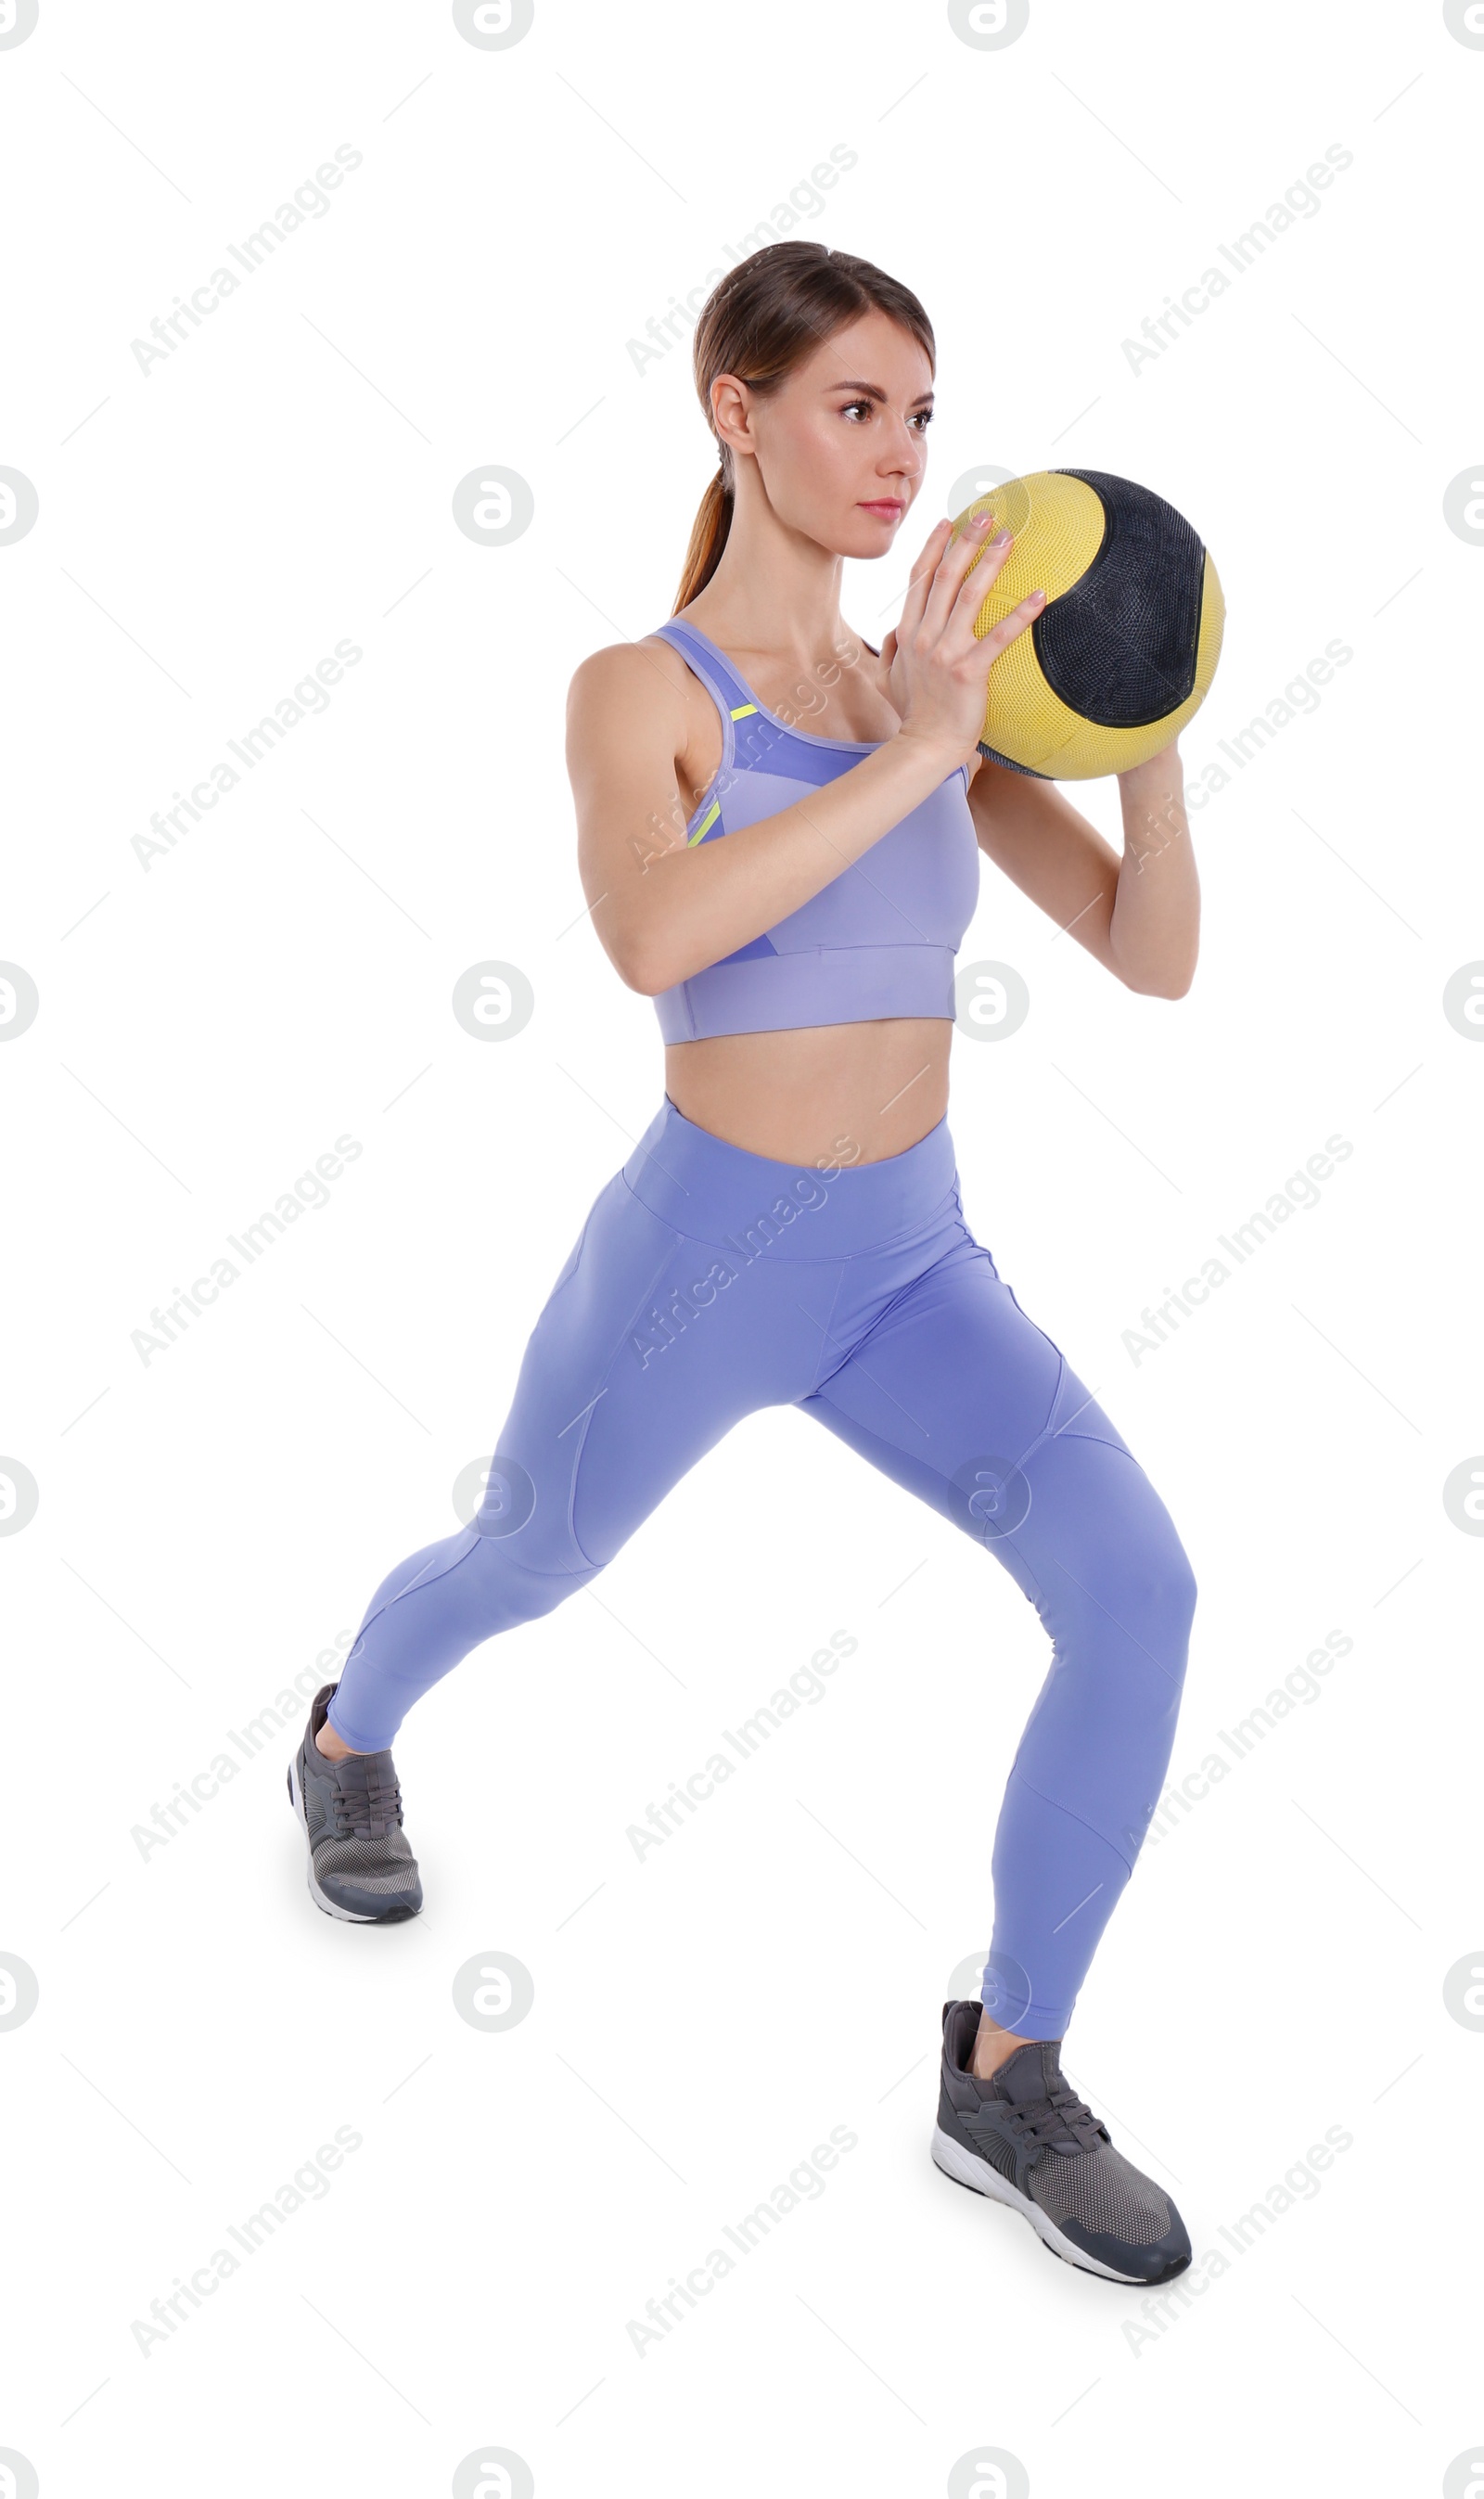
x=993, y=753
x=1119, y=647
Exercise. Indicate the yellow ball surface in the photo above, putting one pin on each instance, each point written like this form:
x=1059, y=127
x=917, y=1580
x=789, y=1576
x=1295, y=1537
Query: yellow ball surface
x=1123, y=653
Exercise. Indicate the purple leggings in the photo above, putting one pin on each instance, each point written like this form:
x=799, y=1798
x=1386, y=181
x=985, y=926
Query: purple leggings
x=707, y=1282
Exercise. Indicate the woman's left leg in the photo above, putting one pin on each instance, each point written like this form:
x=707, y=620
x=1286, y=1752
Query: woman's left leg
x=966, y=1401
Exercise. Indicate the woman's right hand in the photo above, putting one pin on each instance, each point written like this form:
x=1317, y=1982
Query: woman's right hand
x=938, y=665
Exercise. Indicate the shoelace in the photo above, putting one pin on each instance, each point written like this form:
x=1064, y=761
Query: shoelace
x=1063, y=2123
x=366, y=1802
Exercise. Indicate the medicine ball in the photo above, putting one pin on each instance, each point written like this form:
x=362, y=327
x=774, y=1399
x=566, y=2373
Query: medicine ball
x=1123, y=652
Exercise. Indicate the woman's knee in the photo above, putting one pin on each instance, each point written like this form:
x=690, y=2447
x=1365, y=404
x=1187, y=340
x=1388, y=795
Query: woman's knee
x=1154, y=1595
x=1165, y=1575
x=1154, y=1566
x=1129, y=1572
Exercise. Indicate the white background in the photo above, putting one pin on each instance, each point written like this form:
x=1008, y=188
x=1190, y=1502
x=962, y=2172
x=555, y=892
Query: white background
x=211, y=1521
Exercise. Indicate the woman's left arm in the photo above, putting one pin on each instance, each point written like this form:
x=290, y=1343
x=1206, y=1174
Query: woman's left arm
x=1140, y=915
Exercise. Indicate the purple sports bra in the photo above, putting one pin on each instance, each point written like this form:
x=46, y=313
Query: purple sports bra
x=880, y=939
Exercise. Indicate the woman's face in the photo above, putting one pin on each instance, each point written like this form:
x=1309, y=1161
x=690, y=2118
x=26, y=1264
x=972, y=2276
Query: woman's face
x=841, y=444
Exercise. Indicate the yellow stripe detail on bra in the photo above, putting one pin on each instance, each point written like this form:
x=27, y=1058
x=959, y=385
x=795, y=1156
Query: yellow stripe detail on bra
x=740, y=712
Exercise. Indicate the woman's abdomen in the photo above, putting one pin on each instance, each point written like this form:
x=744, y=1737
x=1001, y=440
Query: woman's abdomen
x=794, y=1096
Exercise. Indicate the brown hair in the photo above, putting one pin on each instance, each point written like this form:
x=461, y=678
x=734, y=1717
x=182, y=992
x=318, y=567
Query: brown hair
x=764, y=320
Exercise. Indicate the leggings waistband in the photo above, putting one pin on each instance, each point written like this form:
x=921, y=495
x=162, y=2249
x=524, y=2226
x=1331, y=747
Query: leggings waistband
x=709, y=1190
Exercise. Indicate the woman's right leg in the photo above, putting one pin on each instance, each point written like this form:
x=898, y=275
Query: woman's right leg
x=652, y=1345
x=427, y=1614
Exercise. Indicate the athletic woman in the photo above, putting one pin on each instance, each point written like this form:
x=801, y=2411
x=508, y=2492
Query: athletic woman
x=788, y=1230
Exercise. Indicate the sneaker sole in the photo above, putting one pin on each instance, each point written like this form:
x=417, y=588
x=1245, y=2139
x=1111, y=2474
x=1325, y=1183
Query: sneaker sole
x=322, y=1899
x=969, y=2170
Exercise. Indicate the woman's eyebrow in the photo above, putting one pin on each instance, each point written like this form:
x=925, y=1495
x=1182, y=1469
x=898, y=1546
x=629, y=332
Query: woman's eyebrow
x=873, y=390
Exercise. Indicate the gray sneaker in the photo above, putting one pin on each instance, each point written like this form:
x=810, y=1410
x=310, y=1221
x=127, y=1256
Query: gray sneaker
x=1026, y=2138
x=351, y=1814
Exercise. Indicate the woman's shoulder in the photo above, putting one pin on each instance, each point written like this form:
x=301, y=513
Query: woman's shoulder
x=649, y=671
x=634, y=698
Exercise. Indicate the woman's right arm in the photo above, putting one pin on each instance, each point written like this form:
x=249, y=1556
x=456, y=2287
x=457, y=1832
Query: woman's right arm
x=662, y=911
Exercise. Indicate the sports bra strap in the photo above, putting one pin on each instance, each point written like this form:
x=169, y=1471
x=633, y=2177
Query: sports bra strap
x=735, y=699
x=710, y=664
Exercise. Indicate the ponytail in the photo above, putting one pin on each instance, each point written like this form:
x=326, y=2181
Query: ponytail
x=709, y=533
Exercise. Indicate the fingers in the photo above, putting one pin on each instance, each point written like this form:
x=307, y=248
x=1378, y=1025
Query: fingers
x=922, y=572
x=953, y=569
x=939, y=590
x=992, y=643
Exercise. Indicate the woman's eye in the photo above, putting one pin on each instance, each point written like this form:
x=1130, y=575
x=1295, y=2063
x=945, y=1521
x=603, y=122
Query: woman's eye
x=922, y=419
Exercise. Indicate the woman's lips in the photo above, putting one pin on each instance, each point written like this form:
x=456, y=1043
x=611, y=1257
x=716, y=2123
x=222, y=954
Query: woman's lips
x=887, y=508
